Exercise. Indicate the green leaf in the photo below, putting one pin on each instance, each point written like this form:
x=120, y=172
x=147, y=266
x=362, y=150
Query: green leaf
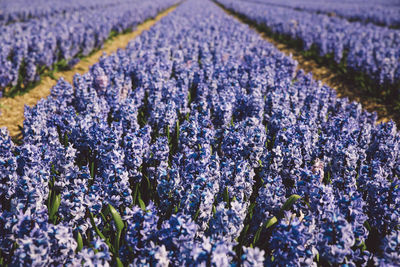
x=246, y=228
x=271, y=222
x=257, y=235
x=265, y=225
x=92, y=170
x=366, y=224
x=135, y=194
x=327, y=178
x=103, y=215
x=65, y=140
x=79, y=241
x=141, y=204
x=288, y=204
x=49, y=199
x=251, y=210
x=243, y=234
x=197, y=214
x=54, y=205
x=177, y=131
x=119, y=224
x=148, y=182
x=119, y=262
x=226, y=195
x=95, y=227
x=169, y=138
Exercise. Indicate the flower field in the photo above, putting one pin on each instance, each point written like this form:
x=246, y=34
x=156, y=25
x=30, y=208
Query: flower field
x=371, y=11
x=369, y=51
x=200, y=144
x=39, y=40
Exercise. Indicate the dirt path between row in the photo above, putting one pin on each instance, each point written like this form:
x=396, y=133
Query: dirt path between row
x=328, y=77
x=12, y=109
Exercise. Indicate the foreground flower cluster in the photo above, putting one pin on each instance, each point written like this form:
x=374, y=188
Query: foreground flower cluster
x=32, y=46
x=365, y=48
x=199, y=144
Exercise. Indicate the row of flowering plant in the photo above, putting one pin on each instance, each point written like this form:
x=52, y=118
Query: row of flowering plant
x=383, y=13
x=30, y=48
x=199, y=144
x=23, y=10
x=365, y=53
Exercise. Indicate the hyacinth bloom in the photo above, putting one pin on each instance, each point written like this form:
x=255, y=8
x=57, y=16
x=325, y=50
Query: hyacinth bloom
x=199, y=145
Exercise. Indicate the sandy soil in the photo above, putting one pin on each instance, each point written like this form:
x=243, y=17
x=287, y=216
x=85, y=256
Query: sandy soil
x=331, y=79
x=12, y=109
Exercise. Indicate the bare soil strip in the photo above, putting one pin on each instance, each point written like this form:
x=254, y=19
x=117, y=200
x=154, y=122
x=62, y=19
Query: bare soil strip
x=328, y=77
x=12, y=109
